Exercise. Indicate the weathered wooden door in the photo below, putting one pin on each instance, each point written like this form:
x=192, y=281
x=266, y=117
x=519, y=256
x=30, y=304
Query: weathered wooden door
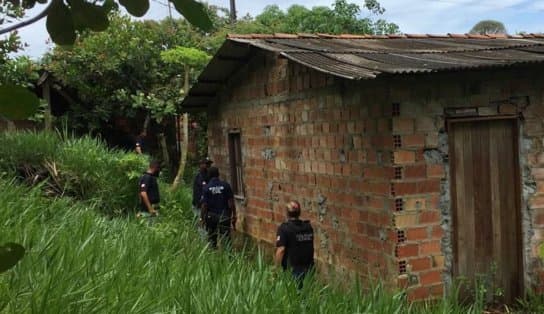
x=485, y=193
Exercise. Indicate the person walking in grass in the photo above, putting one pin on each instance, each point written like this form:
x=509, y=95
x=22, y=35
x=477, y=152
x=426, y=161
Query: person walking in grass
x=218, y=210
x=201, y=179
x=295, y=244
x=149, y=191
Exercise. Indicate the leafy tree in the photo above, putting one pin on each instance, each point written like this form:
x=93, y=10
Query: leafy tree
x=488, y=27
x=343, y=17
x=65, y=20
x=11, y=73
x=119, y=72
x=187, y=58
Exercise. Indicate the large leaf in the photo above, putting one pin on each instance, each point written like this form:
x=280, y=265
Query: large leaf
x=194, y=12
x=10, y=254
x=88, y=15
x=17, y=102
x=135, y=7
x=60, y=24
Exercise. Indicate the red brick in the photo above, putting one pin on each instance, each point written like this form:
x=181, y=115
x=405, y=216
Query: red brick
x=435, y=171
x=374, y=172
x=415, y=140
x=407, y=250
x=431, y=277
x=430, y=248
x=437, y=290
x=539, y=219
x=402, y=157
x=405, y=188
x=433, y=202
x=415, y=172
x=437, y=232
x=402, y=282
x=419, y=264
x=417, y=233
x=537, y=202
x=403, y=126
x=418, y=294
x=428, y=186
x=429, y=216
x=425, y=124
x=508, y=109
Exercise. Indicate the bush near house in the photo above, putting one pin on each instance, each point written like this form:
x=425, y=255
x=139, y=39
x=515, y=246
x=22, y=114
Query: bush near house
x=81, y=168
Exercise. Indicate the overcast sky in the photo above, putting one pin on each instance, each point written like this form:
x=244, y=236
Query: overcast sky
x=413, y=16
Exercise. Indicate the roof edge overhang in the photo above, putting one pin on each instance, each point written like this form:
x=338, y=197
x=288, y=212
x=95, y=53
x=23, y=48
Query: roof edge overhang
x=237, y=50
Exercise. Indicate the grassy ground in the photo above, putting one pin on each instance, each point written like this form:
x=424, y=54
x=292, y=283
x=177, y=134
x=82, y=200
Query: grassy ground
x=82, y=261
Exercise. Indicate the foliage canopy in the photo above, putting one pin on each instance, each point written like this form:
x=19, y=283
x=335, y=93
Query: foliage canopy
x=488, y=27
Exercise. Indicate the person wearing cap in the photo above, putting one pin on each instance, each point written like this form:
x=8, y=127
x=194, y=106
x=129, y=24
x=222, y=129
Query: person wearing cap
x=295, y=244
x=201, y=179
x=218, y=209
x=149, y=191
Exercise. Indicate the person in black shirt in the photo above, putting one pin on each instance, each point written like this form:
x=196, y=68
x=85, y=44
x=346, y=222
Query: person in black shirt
x=218, y=210
x=199, y=182
x=149, y=190
x=295, y=244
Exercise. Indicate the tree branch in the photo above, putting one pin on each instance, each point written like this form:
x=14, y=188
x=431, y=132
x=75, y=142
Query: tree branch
x=27, y=22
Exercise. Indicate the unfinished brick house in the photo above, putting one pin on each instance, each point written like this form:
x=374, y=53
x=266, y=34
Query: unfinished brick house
x=418, y=158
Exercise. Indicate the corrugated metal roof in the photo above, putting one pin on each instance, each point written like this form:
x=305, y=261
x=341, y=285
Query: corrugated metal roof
x=358, y=57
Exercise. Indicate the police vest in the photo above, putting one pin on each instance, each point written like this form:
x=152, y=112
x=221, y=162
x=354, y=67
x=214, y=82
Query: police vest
x=300, y=244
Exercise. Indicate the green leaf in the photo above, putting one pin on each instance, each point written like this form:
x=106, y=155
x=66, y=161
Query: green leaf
x=88, y=15
x=194, y=12
x=60, y=24
x=10, y=254
x=17, y=102
x=135, y=7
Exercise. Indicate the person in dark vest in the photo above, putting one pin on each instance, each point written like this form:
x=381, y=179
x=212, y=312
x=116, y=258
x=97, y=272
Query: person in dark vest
x=201, y=179
x=218, y=209
x=295, y=244
x=149, y=191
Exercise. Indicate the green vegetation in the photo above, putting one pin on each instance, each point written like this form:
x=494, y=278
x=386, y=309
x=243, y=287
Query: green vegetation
x=79, y=168
x=486, y=27
x=79, y=260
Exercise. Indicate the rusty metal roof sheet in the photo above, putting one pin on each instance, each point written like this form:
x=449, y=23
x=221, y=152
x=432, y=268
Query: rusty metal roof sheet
x=358, y=57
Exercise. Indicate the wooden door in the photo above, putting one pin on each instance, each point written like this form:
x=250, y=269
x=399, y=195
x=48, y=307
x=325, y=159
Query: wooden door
x=486, y=206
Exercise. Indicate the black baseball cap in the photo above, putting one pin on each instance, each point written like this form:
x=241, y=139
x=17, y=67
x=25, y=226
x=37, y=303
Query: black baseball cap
x=206, y=160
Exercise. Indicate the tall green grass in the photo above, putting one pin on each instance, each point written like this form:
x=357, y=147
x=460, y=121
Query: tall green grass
x=82, y=168
x=81, y=261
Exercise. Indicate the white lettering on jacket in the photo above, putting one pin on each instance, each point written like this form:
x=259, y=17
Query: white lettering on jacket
x=303, y=237
x=216, y=189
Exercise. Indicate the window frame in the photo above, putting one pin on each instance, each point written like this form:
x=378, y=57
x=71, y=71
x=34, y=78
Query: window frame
x=236, y=163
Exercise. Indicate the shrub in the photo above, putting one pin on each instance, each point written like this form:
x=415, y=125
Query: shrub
x=82, y=168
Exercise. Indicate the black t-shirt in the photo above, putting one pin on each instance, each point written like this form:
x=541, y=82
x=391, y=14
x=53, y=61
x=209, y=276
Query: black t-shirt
x=148, y=183
x=198, y=185
x=216, y=195
x=297, y=237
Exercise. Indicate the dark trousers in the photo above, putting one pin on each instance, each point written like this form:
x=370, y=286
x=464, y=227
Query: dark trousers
x=218, y=227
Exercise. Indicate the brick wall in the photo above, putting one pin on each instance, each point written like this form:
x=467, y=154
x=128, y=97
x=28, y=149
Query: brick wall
x=361, y=159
